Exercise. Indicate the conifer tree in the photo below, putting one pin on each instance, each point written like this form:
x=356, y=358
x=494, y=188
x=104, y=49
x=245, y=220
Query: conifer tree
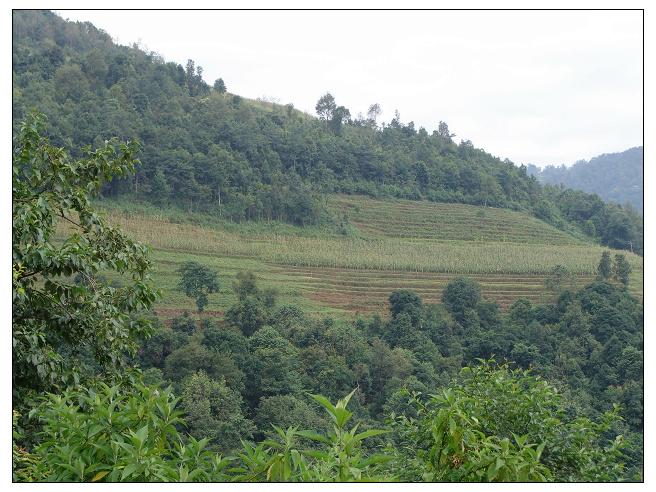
x=604, y=270
x=621, y=269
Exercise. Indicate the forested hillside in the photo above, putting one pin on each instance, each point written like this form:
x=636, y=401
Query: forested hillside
x=614, y=177
x=256, y=387
x=207, y=149
x=236, y=291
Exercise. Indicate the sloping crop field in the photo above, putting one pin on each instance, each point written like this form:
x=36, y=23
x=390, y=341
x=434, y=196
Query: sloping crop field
x=368, y=290
x=329, y=273
x=447, y=222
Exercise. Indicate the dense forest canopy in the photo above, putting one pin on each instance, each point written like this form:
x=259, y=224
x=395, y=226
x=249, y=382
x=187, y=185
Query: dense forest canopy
x=207, y=149
x=614, y=177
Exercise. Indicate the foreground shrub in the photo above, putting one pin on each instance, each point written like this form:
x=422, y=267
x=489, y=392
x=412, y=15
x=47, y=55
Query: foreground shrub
x=116, y=434
x=503, y=424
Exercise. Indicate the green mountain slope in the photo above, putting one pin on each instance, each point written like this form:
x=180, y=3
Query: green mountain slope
x=204, y=149
x=615, y=177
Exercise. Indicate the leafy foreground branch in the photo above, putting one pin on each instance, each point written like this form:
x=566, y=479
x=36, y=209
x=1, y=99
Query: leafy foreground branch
x=496, y=424
x=64, y=331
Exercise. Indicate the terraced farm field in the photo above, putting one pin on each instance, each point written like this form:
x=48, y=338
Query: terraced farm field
x=324, y=272
x=368, y=290
x=448, y=222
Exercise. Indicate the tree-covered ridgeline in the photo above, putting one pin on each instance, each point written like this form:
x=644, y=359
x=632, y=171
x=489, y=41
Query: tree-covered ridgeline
x=204, y=148
x=250, y=397
x=616, y=177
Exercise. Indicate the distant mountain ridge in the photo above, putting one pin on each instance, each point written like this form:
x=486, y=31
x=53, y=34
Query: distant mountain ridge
x=616, y=177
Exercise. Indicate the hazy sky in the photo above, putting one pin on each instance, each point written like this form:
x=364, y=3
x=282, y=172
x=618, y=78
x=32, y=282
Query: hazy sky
x=535, y=87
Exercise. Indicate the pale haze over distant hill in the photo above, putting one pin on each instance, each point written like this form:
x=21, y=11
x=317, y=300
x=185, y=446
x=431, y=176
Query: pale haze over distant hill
x=616, y=177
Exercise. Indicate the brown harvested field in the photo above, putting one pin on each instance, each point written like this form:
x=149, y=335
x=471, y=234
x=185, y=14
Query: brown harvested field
x=368, y=290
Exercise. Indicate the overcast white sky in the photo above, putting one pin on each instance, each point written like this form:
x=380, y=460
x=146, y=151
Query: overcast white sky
x=536, y=87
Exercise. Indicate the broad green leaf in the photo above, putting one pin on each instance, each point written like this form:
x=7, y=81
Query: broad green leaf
x=313, y=435
x=323, y=401
x=129, y=470
x=370, y=433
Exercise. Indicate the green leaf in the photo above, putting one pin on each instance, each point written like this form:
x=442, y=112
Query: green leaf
x=344, y=401
x=129, y=470
x=313, y=435
x=370, y=433
x=376, y=459
x=95, y=430
x=321, y=455
x=323, y=401
x=491, y=472
x=356, y=472
x=342, y=416
x=142, y=434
